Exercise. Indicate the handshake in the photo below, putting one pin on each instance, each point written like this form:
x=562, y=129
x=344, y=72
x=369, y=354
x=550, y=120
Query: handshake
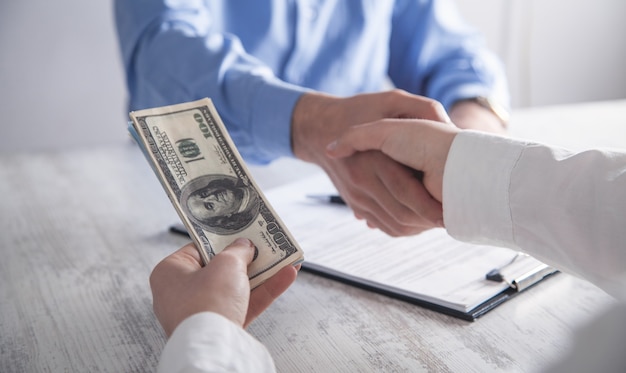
x=370, y=146
x=418, y=145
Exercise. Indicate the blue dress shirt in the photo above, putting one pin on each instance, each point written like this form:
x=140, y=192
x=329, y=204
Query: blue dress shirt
x=254, y=58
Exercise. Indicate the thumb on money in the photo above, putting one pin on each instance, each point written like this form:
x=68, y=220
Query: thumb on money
x=181, y=287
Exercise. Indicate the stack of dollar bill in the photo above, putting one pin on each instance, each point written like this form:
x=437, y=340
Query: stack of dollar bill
x=210, y=186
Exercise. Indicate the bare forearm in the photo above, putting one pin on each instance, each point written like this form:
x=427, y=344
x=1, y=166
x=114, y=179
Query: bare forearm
x=309, y=130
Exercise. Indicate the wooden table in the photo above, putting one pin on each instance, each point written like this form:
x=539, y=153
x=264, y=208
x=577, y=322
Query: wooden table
x=82, y=229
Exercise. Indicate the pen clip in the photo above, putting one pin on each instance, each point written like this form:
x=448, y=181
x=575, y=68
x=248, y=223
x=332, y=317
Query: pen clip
x=521, y=272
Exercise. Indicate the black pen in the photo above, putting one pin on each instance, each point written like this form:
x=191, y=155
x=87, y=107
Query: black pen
x=330, y=198
x=179, y=229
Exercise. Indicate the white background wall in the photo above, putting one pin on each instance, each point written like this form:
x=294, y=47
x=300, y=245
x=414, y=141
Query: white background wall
x=61, y=82
x=556, y=51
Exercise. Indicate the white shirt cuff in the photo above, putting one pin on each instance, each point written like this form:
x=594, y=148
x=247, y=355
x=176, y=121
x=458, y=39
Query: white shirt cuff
x=209, y=342
x=475, y=203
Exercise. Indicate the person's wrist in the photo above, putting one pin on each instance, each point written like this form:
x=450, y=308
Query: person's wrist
x=480, y=113
x=307, y=125
x=440, y=139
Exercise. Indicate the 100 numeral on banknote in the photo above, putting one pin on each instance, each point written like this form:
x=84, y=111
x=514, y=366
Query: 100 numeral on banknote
x=210, y=187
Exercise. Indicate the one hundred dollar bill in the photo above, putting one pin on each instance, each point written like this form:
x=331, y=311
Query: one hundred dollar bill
x=210, y=186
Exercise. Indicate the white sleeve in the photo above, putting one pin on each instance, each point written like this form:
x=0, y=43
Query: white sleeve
x=566, y=209
x=208, y=342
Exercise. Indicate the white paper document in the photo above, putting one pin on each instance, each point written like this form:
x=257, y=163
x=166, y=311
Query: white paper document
x=430, y=267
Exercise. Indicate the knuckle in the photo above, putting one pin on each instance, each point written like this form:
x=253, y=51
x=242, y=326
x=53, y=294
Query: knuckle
x=393, y=95
x=228, y=258
x=411, y=230
x=436, y=106
x=392, y=233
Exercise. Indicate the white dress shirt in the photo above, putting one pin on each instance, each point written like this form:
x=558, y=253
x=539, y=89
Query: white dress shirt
x=208, y=342
x=566, y=209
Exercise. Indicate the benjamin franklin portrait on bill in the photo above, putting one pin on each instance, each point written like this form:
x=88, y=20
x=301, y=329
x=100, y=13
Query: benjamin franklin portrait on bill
x=220, y=204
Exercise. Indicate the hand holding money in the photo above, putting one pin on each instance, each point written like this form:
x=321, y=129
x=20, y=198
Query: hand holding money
x=210, y=186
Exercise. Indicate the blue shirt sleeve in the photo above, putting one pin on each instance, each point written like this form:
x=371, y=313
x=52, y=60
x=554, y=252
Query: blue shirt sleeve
x=255, y=58
x=433, y=52
x=171, y=55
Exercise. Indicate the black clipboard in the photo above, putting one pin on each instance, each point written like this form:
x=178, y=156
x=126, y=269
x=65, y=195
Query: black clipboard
x=471, y=315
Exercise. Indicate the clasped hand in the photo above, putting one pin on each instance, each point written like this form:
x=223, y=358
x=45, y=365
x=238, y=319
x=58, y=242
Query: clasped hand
x=378, y=188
